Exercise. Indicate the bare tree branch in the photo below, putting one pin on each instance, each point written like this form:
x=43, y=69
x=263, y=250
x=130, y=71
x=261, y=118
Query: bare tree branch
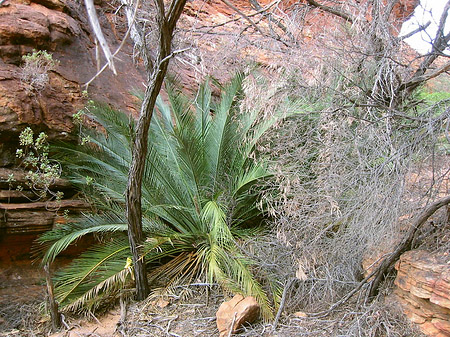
x=92, y=14
x=415, y=31
x=262, y=10
x=258, y=7
x=414, y=82
x=343, y=15
x=440, y=43
x=237, y=10
x=86, y=85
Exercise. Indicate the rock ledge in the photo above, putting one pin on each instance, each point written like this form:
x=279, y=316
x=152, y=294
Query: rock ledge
x=423, y=290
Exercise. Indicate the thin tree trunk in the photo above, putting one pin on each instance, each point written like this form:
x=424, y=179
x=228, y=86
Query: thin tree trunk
x=166, y=25
x=134, y=187
x=53, y=305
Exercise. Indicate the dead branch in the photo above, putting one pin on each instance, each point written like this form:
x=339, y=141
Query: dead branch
x=99, y=72
x=237, y=10
x=415, y=31
x=440, y=43
x=344, y=299
x=419, y=79
x=118, y=49
x=262, y=10
x=54, y=313
x=92, y=14
x=378, y=274
x=269, y=16
x=156, y=71
x=343, y=15
x=404, y=245
x=283, y=301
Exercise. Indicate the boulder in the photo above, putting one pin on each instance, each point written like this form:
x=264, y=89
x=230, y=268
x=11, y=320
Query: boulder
x=235, y=312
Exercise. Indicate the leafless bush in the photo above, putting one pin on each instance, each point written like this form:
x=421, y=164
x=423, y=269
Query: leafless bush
x=344, y=189
x=373, y=320
x=345, y=161
x=343, y=192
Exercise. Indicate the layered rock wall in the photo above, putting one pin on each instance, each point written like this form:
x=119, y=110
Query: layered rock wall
x=61, y=28
x=423, y=290
x=23, y=215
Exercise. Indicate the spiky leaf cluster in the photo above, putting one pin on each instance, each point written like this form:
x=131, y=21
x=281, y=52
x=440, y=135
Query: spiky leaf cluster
x=200, y=194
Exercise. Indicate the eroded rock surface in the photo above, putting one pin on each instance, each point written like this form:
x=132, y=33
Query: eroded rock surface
x=61, y=28
x=423, y=289
x=23, y=215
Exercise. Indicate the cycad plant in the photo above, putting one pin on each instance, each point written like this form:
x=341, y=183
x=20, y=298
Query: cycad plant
x=200, y=191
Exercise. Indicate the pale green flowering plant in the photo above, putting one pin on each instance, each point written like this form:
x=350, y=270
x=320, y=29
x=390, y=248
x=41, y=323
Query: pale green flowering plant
x=42, y=172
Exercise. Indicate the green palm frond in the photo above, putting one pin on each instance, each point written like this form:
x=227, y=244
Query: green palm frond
x=91, y=299
x=55, y=245
x=88, y=273
x=200, y=194
x=222, y=134
x=242, y=280
x=214, y=218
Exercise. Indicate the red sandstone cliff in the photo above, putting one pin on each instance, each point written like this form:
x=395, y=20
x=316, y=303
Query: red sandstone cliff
x=61, y=27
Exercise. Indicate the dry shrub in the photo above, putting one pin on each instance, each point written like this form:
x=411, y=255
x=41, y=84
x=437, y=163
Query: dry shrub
x=350, y=176
x=36, y=68
x=376, y=319
x=344, y=192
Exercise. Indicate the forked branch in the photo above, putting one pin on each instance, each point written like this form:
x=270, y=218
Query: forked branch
x=92, y=14
x=377, y=275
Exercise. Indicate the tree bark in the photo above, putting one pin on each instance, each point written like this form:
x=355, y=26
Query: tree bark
x=53, y=305
x=166, y=25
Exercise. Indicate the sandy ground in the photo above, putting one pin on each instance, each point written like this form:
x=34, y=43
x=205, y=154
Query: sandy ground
x=187, y=312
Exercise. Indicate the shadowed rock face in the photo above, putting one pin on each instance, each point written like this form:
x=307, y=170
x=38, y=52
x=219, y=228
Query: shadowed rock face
x=23, y=216
x=61, y=28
